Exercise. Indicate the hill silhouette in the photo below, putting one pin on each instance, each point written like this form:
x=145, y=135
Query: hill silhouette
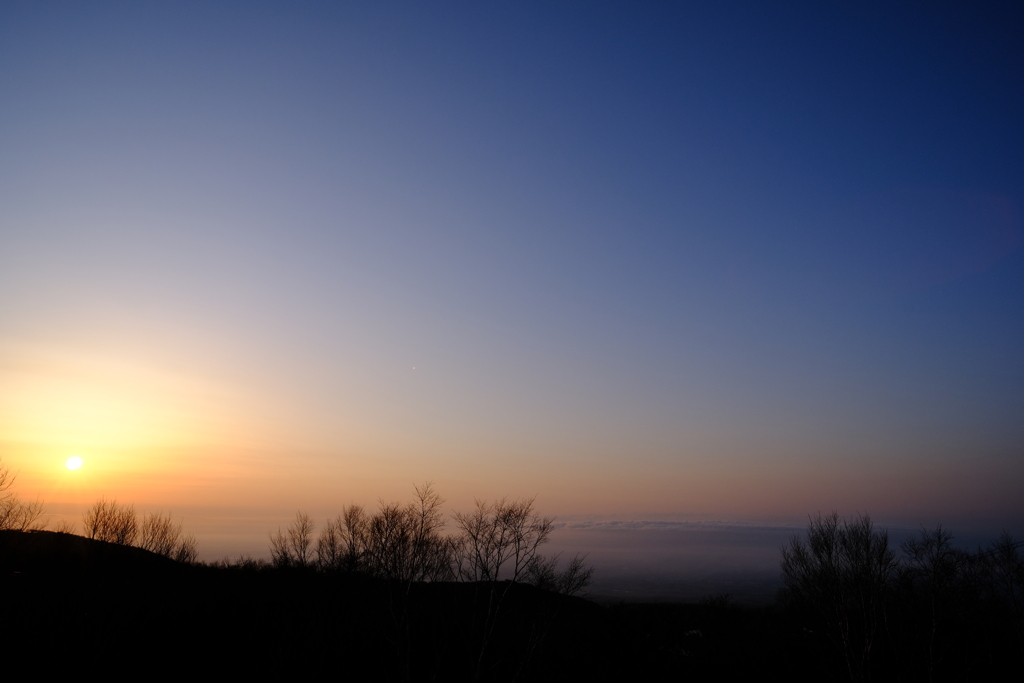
x=86, y=606
x=384, y=597
x=50, y=552
x=89, y=606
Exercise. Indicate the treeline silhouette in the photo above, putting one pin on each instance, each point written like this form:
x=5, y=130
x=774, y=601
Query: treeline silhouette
x=386, y=591
x=496, y=542
x=509, y=597
x=934, y=612
x=157, y=532
x=403, y=593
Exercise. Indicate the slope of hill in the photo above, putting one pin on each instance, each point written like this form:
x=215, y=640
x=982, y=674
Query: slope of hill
x=86, y=606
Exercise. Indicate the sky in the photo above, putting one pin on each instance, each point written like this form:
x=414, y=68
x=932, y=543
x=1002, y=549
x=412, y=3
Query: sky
x=730, y=262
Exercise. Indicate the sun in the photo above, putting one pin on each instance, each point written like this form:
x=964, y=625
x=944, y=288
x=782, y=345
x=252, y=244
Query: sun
x=73, y=463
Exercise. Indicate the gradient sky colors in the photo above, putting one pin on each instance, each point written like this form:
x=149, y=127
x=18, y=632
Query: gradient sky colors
x=740, y=261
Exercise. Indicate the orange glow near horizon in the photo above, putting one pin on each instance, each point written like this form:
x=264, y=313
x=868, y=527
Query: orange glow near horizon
x=152, y=438
x=145, y=434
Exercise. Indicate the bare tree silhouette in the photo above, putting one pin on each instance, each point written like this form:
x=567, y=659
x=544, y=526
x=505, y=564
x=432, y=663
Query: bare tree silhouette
x=187, y=550
x=500, y=540
x=499, y=547
x=543, y=572
x=354, y=538
x=404, y=542
x=294, y=549
x=15, y=514
x=840, y=576
x=330, y=546
x=159, y=534
x=108, y=521
x=935, y=580
x=300, y=538
x=1005, y=567
x=341, y=546
x=404, y=545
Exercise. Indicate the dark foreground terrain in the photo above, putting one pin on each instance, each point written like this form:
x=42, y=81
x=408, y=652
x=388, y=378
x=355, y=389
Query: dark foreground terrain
x=73, y=605
x=76, y=605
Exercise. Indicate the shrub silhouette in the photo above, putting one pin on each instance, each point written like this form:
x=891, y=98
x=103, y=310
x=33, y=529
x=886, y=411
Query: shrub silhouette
x=65, y=526
x=544, y=573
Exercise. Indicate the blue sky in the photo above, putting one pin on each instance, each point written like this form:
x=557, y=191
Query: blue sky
x=734, y=259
